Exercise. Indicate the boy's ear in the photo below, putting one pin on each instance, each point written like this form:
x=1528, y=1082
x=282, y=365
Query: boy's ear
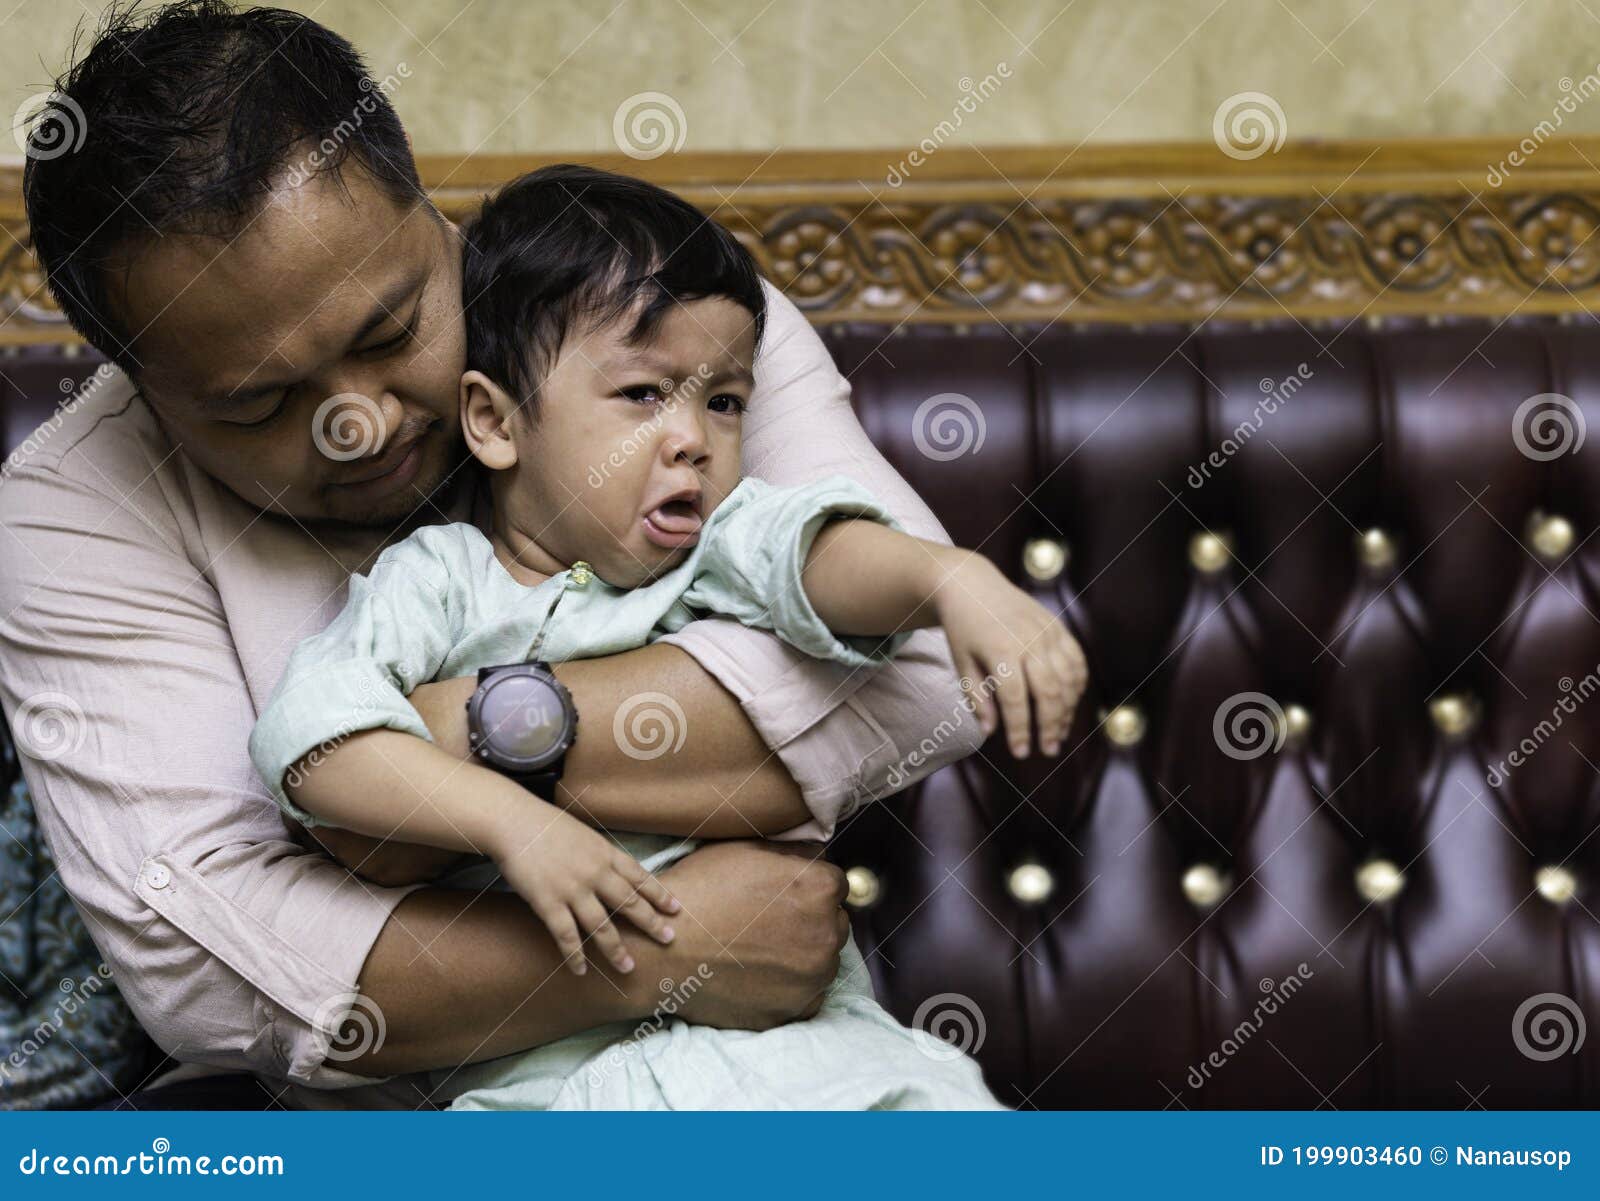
x=486, y=410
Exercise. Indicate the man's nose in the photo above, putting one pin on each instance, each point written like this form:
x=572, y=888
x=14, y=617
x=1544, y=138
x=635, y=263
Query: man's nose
x=355, y=423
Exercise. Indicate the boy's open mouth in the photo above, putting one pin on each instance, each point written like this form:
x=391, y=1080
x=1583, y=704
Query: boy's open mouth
x=675, y=521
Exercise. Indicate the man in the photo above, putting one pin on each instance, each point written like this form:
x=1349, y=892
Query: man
x=188, y=524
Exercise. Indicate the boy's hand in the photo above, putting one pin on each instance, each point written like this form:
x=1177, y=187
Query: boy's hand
x=575, y=879
x=1011, y=649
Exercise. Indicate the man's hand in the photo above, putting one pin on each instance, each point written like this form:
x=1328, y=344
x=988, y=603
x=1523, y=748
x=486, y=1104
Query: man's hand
x=382, y=861
x=762, y=925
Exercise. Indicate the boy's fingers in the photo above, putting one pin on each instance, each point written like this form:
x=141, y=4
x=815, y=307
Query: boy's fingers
x=638, y=911
x=558, y=920
x=592, y=916
x=1013, y=695
x=653, y=891
x=1044, y=682
x=977, y=694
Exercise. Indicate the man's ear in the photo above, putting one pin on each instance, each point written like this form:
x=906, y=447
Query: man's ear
x=486, y=411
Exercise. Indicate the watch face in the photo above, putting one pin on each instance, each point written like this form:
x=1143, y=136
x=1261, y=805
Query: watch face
x=522, y=718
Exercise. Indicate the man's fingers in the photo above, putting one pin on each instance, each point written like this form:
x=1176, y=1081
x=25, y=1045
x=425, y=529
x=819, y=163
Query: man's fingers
x=977, y=692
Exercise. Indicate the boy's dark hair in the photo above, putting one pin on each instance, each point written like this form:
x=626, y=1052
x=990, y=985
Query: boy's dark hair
x=187, y=114
x=568, y=246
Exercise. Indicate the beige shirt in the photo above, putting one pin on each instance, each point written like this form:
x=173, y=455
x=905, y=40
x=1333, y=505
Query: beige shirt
x=146, y=614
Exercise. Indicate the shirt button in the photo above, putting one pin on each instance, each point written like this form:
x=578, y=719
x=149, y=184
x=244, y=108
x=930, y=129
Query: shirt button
x=158, y=877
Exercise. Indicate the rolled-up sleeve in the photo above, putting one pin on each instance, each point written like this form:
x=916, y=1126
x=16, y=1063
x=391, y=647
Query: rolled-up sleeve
x=847, y=735
x=233, y=946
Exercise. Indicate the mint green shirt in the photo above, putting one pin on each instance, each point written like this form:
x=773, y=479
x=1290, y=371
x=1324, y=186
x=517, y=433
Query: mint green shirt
x=438, y=605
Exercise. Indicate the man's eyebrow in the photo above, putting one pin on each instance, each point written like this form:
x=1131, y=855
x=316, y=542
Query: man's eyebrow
x=383, y=308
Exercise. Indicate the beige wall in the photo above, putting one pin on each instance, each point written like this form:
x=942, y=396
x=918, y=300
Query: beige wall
x=549, y=75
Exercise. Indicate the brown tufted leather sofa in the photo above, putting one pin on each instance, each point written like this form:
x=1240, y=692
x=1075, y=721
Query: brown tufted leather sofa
x=1399, y=594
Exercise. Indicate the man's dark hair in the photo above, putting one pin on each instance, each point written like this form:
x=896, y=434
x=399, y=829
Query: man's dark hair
x=188, y=114
x=569, y=246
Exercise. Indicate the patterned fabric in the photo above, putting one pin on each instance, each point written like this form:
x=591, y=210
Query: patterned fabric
x=67, y=1039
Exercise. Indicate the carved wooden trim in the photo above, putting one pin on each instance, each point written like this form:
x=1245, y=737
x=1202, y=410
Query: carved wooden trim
x=1128, y=233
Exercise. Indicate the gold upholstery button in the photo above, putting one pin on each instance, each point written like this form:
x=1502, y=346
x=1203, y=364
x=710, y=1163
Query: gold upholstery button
x=1044, y=558
x=1124, y=725
x=1551, y=536
x=1453, y=713
x=1555, y=884
x=582, y=573
x=1030, y=883
x=1376, y=549
x=1296, y=723
x=1204, y=885
x=1379, y=880
x=1210, y=552
x=864, y=887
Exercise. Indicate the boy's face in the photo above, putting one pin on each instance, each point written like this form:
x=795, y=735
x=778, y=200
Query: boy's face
x=633, y=447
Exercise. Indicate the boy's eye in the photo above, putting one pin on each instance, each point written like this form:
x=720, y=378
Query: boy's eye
x=643, y=393
x=726, y=403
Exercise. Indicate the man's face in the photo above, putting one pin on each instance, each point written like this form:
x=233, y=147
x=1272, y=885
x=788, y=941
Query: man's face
x=633, y=446
x=311, y=363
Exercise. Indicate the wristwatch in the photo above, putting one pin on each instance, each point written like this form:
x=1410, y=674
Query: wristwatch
x=521, y=722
